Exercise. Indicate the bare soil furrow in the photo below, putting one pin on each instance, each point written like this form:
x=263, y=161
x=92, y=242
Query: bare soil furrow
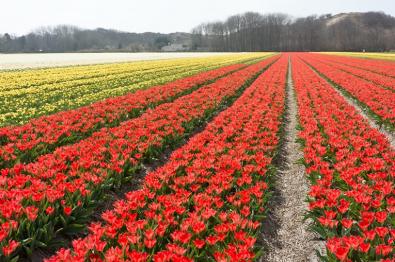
x=291, y=240
x=363, y=111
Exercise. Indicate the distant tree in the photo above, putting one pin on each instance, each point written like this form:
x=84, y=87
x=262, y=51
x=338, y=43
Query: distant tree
x=7, y=37
x=21, y=42
x=161, y=41
x=373, y=31
x=251, y=31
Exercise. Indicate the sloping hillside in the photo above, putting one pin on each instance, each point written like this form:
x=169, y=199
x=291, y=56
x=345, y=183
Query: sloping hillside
x=367, y=20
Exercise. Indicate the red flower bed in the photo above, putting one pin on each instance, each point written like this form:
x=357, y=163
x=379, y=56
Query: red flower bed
x=385, y=81
x=42, y=135
x=378, y=99
x=58, y=190
x=386, y=68
x=206, y=202
x=352, y=169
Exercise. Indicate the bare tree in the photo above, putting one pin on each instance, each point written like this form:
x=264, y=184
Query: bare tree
x=252, y=31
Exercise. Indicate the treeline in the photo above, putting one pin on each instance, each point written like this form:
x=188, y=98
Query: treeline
x=66, y=38
x=371, y=31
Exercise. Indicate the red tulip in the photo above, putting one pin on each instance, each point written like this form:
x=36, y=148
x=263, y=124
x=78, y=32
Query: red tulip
x=67, y=210
x=199, y=243
x=10, y=247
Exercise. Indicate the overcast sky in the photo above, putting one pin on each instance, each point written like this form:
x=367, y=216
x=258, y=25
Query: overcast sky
x=21, y=16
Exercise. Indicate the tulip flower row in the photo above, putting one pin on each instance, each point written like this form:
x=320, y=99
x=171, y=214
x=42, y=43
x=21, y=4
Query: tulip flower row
x=42, y=135
x=20, y=105
x=206, y=202
x=379, y=100
x=351, y=167
x=59, y=190
x=80, y=75
x=366, y=55
x=379, y=79
x=22, y=97
x=385, y=68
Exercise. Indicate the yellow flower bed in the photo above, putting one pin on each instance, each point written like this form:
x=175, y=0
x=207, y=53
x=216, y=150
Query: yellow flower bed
x=28, y=94
x=385, y=56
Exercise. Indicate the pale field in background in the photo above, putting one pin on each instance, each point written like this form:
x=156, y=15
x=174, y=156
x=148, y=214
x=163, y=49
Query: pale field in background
x=21, y=61
x=385, y=56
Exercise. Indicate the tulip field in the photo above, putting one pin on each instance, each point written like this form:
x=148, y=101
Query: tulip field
x=368, y=55
x=177, y=160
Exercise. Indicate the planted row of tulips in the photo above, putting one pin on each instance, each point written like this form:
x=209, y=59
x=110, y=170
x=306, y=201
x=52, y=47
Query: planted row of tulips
x=23, y=144
x=379, y=100
x=351, y=167
x=379, y=79
x=58, y=192
x=96, y=73
x=386, y=68
x=30, y=94
x=206, y=203
x=18, y=106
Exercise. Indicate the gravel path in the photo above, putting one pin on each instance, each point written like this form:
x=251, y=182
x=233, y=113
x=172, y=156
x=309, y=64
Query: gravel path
x=291, y=240
x=354, y=102
x=389, y=135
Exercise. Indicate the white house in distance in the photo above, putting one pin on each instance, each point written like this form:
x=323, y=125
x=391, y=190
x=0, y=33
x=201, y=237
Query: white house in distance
x=175, y=47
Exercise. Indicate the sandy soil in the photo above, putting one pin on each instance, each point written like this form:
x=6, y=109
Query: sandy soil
x=19, y=61
x=354, y=102
x=291, y=239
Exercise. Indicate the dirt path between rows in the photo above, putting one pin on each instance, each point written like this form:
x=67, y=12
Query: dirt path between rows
x=285, y=233
x=354, y=102
x=136, y=180
x=389, y=135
